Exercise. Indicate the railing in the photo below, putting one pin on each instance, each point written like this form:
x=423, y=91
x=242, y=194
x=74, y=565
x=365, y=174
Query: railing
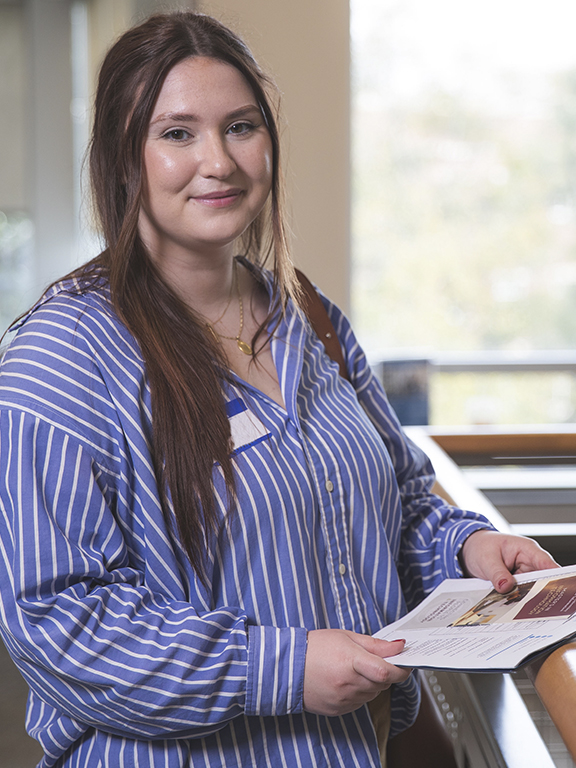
x=495, y=729
x=554, y=678
x=408, y=378
x=497, y=361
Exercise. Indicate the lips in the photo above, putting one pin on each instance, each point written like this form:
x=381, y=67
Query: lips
x=220, y=198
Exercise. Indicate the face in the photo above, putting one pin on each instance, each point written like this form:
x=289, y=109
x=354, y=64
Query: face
x=207, y=162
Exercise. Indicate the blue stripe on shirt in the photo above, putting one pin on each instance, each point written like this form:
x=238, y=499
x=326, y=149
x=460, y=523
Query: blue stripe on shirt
x=132, y=661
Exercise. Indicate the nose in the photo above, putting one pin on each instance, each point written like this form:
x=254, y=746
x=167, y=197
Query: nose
x=216, y=160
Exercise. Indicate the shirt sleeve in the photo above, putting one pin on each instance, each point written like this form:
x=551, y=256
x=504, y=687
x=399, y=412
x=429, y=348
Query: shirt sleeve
x=91, y=638
x=433, y=531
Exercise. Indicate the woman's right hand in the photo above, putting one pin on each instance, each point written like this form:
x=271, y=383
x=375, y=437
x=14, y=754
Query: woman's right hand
x=344, y=670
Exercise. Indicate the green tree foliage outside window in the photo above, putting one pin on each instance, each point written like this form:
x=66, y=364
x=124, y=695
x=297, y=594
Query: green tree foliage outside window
x=464, y=210
x=464, y=180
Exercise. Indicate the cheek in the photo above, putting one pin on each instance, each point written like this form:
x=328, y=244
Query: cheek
x=262, y=164
x=162, y=170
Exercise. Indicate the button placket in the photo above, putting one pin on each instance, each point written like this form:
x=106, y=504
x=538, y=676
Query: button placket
x=324, y=464
x=329, y=486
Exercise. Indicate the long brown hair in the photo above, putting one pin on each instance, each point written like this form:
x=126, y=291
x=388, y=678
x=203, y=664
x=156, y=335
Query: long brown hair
x=185, y=367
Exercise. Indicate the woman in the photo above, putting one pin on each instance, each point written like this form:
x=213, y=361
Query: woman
x=203, y=522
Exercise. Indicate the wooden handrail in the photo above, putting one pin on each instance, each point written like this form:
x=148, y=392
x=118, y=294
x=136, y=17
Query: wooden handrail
x=554, y=678
x=451, y=483
x=553, y=675
x=489, y=442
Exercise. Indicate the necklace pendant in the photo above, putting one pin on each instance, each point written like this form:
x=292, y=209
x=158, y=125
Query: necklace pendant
x=244, y=347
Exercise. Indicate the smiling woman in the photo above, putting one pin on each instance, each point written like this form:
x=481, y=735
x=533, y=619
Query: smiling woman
x=203, y=520
x=208, y=167
x=207, y=175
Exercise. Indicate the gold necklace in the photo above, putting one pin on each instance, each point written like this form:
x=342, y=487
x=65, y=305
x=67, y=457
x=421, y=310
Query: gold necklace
x=226, y=307
x=243, y=346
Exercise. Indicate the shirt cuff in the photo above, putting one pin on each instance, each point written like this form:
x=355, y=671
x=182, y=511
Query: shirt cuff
x=453, y=567
x=275, y=676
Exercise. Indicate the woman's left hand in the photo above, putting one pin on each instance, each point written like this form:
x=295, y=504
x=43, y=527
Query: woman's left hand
x=496, y=556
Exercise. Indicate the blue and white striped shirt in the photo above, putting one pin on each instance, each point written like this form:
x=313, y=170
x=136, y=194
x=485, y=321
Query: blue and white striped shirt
x=130, y=660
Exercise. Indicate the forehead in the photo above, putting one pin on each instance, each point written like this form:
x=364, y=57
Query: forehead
x=200, y=83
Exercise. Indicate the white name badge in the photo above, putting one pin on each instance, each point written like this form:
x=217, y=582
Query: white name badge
x=246, y=428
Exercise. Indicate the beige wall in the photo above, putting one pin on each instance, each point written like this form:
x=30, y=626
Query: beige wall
x=13, y=192
x=108, y=19
x=304, y=44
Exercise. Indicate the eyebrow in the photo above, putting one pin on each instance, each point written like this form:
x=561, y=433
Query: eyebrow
x=183, y=117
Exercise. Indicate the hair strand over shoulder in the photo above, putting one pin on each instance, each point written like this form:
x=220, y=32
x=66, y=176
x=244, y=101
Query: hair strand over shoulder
x=185, y=367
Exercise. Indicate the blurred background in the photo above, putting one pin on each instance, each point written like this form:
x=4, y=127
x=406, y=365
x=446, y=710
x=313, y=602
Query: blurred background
x=431, y=155
x=464, y=218
x=430, y=150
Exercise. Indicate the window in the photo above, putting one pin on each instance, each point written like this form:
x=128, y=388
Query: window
x=49, y=55
x=464, y=199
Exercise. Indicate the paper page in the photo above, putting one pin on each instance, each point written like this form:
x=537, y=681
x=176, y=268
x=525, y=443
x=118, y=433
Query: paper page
x=466, y=624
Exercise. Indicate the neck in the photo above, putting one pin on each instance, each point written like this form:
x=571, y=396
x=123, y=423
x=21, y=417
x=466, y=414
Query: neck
x=201, y=277
x=205, y=286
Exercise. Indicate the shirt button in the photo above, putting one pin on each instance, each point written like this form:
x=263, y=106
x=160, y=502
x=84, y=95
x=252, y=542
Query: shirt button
x=329, y=486
x=341, y=569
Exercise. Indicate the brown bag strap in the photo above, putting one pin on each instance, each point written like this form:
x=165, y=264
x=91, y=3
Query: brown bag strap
x=320, y=322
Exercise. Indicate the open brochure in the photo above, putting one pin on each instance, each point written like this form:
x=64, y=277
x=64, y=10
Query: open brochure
x=466, y=625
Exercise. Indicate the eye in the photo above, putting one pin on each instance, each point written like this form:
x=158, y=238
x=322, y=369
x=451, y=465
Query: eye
x=237, y=129
x=176, y=134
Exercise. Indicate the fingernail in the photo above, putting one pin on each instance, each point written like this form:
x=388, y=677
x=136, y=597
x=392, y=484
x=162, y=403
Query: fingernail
x=401, y=640
x=502, y=583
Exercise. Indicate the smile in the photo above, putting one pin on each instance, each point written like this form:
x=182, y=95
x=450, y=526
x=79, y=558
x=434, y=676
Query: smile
x=220, y=199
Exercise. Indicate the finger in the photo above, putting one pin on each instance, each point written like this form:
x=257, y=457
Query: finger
x=528, y=568
x=503, y=581
x=377, y=646
x=534, y=559
x=496, y=571
x=492, y=555
x=377, y=670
